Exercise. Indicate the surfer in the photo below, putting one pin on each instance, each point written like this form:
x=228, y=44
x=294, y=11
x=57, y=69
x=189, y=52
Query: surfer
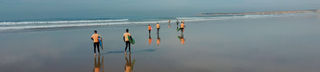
x=126, y=37
x=149, y=29
x=95, y=37
x=182, y=26
x=158, y=27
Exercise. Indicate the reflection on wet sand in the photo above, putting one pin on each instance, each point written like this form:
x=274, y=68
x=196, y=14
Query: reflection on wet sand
x=181, y=38
x=129, y=63
x=149, y=40
x=98, y=63
x=158, y=39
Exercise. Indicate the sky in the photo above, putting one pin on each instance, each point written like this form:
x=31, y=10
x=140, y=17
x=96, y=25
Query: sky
x=108, y=8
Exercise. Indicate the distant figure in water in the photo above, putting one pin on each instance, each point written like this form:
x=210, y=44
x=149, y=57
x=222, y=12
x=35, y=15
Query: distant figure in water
x=95, y=37
x=158, y=27
x=149, y=29
x=126, y=36
x=177, y=23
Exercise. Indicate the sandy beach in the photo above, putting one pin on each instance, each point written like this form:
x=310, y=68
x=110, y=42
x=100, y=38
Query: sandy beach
x=269, y=44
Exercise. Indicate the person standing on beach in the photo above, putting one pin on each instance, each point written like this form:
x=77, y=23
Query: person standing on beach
x=149, y=29
x=95, y=37
x=126, y=39
x=158, y=27
x=169, y=21
x=182, y=26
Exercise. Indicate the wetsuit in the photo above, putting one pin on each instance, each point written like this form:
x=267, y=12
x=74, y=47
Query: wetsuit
x=126, y=39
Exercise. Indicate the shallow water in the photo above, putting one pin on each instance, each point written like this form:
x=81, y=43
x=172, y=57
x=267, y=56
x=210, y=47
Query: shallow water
x=272, y=44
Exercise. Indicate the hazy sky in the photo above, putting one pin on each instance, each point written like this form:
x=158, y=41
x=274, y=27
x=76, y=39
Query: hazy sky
x=105, y=8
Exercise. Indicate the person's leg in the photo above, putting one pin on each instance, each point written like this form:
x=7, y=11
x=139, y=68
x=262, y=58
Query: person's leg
x=182, y=29
x=98, y=47
x=157, y=30
x=129, y=46
x=94, y=47
x=126, y=47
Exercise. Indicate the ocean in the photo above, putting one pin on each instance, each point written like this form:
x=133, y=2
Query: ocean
x=68, y=23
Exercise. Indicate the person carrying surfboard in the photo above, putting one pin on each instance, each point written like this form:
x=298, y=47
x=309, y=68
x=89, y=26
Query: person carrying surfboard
x=95, y=37
x=127, y=38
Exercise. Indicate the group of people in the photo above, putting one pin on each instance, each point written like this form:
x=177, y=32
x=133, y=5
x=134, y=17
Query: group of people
x=97, y=39
x=127, y=38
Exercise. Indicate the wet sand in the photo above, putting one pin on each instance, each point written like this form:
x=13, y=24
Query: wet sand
x=271, y=44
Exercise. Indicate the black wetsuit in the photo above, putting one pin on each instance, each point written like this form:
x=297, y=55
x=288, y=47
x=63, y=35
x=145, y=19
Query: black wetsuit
x=127, y=45
x=96, y=46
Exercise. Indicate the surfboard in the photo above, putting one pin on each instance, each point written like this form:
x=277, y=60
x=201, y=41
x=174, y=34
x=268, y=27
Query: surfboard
x=178, y=29
x=101, y=43
x=131, y=40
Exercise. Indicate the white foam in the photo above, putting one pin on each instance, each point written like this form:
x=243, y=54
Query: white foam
x=86, y=23
x=60, y=22
x=72, y=25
